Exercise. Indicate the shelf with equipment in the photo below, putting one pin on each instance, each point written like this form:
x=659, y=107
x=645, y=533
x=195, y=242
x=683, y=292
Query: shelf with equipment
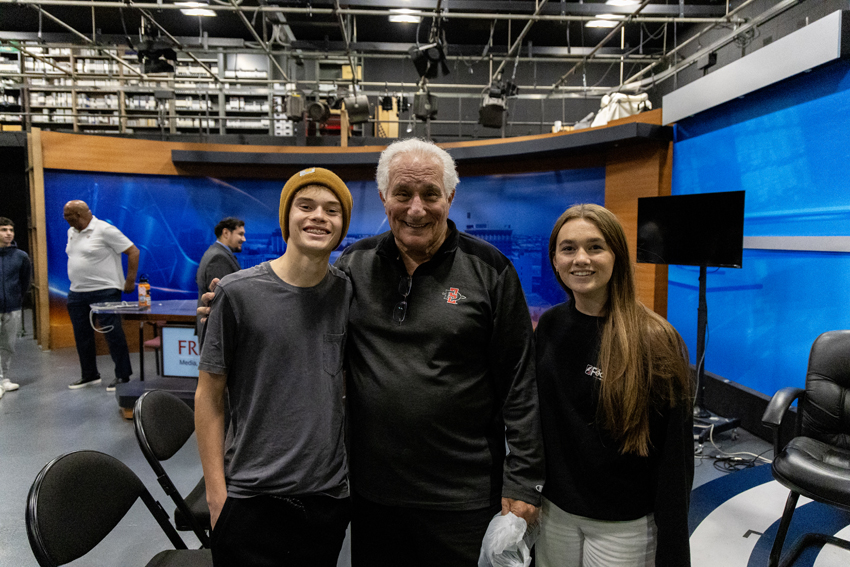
x=104, y=89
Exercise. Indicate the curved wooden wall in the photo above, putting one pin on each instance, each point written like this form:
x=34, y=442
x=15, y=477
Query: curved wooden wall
x=638, y=168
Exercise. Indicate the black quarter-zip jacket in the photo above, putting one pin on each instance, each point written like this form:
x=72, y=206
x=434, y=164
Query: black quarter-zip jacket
x=433, y=399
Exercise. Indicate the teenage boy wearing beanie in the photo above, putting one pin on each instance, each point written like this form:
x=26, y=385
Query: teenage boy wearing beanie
x=15, y=272
x=274, y=345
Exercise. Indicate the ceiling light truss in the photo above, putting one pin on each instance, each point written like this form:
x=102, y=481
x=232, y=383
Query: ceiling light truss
x=313, y=11
x=240, y=11
x=180, y=45
x=88, y=40
x=599, y=46
x=191, y=46
x=343, y=26
x=634, y=84
x=650, y=63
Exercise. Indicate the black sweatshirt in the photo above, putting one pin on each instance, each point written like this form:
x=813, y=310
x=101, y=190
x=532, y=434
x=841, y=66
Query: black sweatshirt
x=432, y=399
x=586, y=474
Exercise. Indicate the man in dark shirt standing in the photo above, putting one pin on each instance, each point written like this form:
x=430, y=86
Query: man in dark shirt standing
x=15, y=272
x=219, y=260
x=274, y=349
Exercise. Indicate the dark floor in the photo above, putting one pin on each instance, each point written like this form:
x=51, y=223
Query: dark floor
x=45, y=419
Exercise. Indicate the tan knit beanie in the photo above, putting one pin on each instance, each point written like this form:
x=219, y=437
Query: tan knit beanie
x=314, y=176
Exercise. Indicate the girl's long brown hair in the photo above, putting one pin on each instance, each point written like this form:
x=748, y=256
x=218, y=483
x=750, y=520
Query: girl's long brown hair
x=644, y=361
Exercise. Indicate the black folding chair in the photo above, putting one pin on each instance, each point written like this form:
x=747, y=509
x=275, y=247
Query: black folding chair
x=163, y=424
x=78, y=498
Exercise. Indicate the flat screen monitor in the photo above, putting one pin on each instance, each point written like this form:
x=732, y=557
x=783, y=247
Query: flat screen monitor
x=695, y=230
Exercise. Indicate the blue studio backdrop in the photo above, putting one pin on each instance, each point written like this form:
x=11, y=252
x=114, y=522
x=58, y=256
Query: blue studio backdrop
x=171, y=220
x=788, y=147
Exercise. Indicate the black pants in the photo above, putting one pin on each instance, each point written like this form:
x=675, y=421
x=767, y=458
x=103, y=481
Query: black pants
x=275, y=531
x=79, y=307
x=390, y=536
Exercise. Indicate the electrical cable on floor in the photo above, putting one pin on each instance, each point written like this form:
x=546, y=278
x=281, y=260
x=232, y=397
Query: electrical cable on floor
x=730, y=462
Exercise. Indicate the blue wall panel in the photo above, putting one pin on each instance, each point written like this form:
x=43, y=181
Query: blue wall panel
x=171, y=220
x=788, y=147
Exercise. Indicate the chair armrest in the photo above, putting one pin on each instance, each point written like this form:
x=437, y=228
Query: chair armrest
x=779, y=404
x=776, y=408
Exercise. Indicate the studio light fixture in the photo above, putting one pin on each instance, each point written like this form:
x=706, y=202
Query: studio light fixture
x=404, y=16
x=387, y=103
x=622, y=2
x=491, y=113
x=604, y=21
x=357, y=107
x=156, y=55
x=319, y=111
x=493, y=106
x=294, y=107
x=601, y=24
x=430, y=59
x=196, y=8
x=424, y=105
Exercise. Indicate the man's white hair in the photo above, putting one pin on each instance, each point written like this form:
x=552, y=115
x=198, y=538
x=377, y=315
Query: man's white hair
x=422, y=148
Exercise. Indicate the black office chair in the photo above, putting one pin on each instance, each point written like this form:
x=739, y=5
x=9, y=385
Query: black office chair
x=816, y=462
x=163, y=424
x=78, y=498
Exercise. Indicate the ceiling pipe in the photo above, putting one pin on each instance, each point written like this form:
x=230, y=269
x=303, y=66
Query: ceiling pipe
x=679, y=47
x=89, y=41
x=262, y=43
x=599, y=46
x=730, y=37
x=344, y=32
x=362, y=12
x=182, y=48
x=518, y=43
x=600, y=58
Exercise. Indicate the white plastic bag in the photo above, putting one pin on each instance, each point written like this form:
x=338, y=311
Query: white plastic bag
x=506, y=543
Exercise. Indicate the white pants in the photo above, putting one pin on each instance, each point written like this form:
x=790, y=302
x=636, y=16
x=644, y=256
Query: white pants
x=10, y=325
x=567, y=540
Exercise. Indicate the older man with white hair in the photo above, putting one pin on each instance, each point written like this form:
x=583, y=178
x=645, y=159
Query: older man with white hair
x=441, y=375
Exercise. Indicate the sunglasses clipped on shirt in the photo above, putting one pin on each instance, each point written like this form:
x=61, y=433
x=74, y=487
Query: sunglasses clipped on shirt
x=400, y=309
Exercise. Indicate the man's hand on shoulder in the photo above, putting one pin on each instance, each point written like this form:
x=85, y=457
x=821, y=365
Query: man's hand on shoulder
x=525, y=511
x=206, y=299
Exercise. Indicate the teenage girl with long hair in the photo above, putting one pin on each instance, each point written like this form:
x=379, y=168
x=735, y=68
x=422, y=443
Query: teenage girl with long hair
x=616, y=405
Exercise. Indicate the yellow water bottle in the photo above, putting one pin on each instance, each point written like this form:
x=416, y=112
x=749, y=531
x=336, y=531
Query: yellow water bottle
x=144, y=291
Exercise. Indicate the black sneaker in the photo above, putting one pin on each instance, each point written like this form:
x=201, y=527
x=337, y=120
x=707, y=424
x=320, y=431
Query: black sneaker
x=82, y=383
x=111, y=387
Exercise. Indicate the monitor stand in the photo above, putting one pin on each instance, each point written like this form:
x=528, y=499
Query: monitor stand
x=706, y=424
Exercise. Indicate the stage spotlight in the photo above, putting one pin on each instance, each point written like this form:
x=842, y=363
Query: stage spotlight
x=492, y=112
x=294, y=107
x=424, y=105
x=358, y=109
x=155, y=54
x=386, y=103
x=319, y=111
x=430, y=59
x=403, y=103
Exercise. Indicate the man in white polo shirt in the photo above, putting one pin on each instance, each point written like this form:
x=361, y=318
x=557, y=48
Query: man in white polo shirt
x=94, y=267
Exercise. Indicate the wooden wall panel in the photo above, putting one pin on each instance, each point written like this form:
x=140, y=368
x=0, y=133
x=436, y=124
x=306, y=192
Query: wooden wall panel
x=126, y=155
x=38, y=239
x=630, y=173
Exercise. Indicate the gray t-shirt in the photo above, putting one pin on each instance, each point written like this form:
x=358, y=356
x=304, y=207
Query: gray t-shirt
x=281, y=348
